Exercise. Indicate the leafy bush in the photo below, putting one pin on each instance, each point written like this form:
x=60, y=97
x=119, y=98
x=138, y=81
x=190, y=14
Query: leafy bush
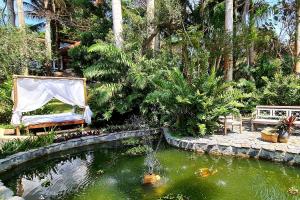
x=281, y=90
x=194, y=107
x=5, y=101
x=18, y=50
x=251, y=95
x=266, y=67
x=31, y=142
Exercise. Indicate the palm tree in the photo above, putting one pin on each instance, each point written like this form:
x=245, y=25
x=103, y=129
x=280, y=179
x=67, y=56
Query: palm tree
x=117, y=22
x=228, y=58
x=48, y=39
x=11, y=12
x=46, y=10
x=21, y=18
x=297, y=66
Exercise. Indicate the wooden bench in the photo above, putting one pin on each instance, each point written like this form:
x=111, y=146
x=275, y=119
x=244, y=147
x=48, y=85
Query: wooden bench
x=271, y=115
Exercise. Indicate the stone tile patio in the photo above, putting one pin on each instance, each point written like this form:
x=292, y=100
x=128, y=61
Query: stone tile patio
x=248, y=139
x=246, y=144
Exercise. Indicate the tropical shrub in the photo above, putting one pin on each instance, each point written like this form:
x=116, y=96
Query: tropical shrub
x=281, y=90
x=193, y=106
x=251, y=95
x=119, y=80
x=18, y=51
x=111, y=90
x=5, y=101
x=266, y=67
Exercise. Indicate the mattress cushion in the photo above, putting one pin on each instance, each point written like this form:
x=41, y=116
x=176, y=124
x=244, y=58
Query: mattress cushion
x=51, y=118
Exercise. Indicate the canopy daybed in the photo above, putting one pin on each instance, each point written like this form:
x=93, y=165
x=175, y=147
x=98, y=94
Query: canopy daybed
x=33, y=92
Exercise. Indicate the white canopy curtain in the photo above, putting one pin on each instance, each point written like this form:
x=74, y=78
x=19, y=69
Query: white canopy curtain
x=32, y=92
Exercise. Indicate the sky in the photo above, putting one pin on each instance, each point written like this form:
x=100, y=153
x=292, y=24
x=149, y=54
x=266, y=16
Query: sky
x=33, y=21
x=27, y=20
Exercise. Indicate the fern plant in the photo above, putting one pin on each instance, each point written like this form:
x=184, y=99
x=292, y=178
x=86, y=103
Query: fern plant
x=120, y=80
x=194, y=108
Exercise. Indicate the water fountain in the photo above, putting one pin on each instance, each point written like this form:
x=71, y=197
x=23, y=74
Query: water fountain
x=152, y=163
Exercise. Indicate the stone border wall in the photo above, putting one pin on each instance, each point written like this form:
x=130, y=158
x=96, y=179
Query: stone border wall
x=22, y=157
x=211, y=147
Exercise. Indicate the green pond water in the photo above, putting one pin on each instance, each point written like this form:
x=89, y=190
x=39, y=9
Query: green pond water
x=78, y=176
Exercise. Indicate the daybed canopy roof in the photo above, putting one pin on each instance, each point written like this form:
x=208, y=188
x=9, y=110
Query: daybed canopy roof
x=33, y=92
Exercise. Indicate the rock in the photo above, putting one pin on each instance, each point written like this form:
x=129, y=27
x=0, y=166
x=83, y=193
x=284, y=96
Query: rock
x=5, y=193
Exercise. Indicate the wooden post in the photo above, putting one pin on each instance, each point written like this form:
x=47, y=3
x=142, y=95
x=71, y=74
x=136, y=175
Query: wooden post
x=225, y=127
x=15, y=100
x=241, y=123
x=85, y=95
x=84, y=91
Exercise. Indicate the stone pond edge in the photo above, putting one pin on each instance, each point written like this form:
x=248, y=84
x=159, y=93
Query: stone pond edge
x=213, y=148
x=22, y=157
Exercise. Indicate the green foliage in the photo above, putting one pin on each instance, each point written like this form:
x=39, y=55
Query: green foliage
x=18, y=50
x=137, y=150
x=5, y=101
x=267, y=68
x=194, y=108
x=112, y=91
x=30, y=142
x=281, y=90
x=251, y=95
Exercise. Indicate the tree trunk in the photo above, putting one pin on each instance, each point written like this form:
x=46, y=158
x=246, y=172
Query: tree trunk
x=48, y=38
x=21, y=21
x=150, y=18
x=228, y=58
x=297, y=66
x=11, y=12
x=157, y=43
x=246, y=25
x=117, y=22
x=21, y=18
x=251, y=54
x=252, y=29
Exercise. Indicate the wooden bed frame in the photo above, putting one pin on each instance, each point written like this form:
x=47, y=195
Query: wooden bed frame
x=47, y=124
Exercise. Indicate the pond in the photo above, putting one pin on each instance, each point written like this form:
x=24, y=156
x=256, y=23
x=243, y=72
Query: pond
x=103, y=173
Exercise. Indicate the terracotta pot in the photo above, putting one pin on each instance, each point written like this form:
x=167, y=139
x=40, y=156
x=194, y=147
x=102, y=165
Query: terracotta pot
x=151, y=178
x=269, y=137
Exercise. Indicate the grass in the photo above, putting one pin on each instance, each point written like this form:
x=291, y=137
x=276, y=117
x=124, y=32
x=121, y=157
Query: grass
x=6, y=126
x=53, y=107
x=56, y=106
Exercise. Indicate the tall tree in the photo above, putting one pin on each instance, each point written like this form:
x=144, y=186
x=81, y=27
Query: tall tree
x=228, y=57
x=48, y=39
x=150, y=18
x=297, y=66
x=117, y=22
x=51, y=13
x=21, y=18
x=11, y=12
